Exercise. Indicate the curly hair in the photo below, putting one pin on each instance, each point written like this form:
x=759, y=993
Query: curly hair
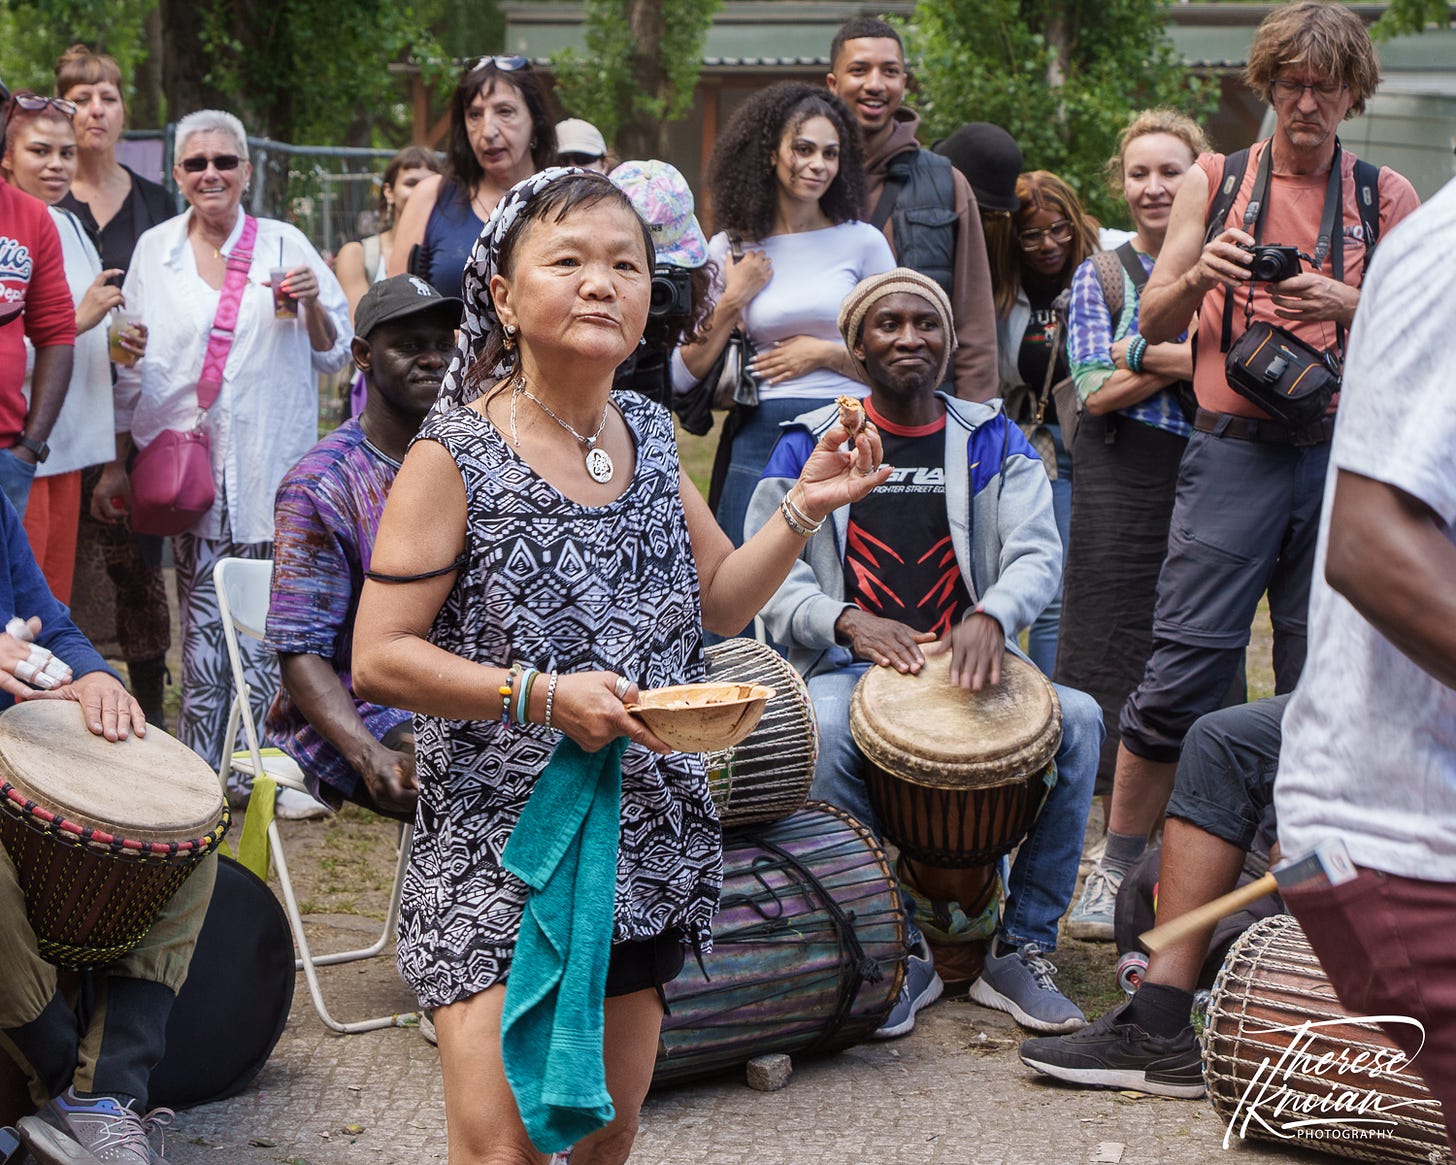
x=741, y=174
x=1149, y=121
x=1325, y=38
x=1040, y=190
x=565, y=196
x=483, y=77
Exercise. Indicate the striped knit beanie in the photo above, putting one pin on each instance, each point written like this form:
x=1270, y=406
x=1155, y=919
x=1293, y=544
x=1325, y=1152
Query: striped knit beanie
x=870, y=291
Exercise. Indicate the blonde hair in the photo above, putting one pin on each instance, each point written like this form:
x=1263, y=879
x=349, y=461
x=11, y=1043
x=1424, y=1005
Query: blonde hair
x=1151, y=121
x=1326, y=38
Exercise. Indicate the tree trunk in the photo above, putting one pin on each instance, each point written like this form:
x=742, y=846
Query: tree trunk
x=643, y=135
x=184, y=62
x=146, y=103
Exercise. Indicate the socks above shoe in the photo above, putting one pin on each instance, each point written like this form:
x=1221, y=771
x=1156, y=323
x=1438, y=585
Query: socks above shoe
x=1123, y=849
x=1160, y=1010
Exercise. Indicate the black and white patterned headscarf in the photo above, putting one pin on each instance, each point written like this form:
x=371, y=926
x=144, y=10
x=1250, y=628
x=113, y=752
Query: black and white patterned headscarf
x=480, y=321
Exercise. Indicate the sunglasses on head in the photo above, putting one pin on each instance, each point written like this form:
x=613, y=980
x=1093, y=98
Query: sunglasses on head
x=506, y=64
x=34, y=103
x=219, y=162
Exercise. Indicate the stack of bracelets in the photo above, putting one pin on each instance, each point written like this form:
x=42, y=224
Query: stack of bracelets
x=799, y=522
x=515, y=694
x=1136, y=349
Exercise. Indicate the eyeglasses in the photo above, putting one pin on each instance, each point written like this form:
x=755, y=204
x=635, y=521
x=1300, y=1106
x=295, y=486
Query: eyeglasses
x=1288, y=90
x=1031, y=238
x=219, y=162
x=578, y=159
x=34, y=103
x=506, y=64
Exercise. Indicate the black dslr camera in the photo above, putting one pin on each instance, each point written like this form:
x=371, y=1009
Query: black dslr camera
x=1270, y=264
x=672, y=292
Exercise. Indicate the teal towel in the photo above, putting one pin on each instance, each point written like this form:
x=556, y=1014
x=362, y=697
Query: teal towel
x=565, y=849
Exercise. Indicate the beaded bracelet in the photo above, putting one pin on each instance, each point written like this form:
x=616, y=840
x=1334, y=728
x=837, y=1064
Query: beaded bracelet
x=505, y=693
x=550, y=697
x=1135, y=352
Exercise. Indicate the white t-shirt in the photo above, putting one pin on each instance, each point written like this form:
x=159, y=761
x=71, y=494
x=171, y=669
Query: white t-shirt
x=812, y=273
x=1370, y=738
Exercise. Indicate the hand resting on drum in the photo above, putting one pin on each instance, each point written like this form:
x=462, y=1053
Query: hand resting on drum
x=977, y=645
x=109, y=708
x=882, y=641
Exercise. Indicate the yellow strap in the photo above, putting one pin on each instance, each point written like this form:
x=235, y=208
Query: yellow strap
x=253, y=846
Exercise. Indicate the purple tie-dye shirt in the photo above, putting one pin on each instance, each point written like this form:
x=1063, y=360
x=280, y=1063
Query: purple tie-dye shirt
x=326, y=515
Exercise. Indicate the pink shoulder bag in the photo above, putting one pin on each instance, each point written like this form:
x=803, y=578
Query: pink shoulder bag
x=171, y=479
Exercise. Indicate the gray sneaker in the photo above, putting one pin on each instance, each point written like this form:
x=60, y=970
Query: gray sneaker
x=71, y=1131
x=1092, y=917
x=1022, y=984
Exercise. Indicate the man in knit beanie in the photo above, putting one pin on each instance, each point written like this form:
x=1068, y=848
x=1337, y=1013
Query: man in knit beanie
x=873, y=589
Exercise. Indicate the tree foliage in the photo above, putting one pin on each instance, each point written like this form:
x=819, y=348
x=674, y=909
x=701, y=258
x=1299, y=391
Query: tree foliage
x=1403, y=17
x=1061, y=76
x=33, y=33
x=640, y=69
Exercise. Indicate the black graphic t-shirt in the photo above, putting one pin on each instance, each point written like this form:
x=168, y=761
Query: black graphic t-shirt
x=899, y=562
x=1036, y=349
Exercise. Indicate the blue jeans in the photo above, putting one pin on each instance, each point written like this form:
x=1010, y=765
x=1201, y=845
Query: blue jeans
x=15, y=478
x=1041, y=640
x=751, y=447
x=1045, y=871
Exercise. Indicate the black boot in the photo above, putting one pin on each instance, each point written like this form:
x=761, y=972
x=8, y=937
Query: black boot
x=149, y=686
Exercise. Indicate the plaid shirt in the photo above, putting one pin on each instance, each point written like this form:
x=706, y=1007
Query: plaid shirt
x=1091, y=334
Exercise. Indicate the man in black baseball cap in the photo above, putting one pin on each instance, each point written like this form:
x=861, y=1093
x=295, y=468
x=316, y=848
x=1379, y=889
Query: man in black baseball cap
x=326, y=517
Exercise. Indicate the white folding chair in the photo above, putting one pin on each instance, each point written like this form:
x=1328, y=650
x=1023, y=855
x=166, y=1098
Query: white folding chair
x=242, y=597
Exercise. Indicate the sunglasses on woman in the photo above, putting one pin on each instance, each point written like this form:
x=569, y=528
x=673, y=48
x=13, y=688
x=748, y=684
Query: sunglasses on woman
x=506, y=64
x=219, y=162
x=34, y=103
x=1060, y=232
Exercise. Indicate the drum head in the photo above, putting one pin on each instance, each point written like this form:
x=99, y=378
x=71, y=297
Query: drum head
x=232, y=1008
x=151, y=788
x=924, y=730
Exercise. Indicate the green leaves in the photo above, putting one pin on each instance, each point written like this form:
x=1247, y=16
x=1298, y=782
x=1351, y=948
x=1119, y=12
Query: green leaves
x=1061, y=76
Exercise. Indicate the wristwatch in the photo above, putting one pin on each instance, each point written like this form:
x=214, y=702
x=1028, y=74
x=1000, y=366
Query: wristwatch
x=39, y=448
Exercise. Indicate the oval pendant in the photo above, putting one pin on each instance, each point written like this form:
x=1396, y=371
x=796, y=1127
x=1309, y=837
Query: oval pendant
x=599, y=465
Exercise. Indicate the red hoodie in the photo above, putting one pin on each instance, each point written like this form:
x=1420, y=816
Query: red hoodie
x=33, y=286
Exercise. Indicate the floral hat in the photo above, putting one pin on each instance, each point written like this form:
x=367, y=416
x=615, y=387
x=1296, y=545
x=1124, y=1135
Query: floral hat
x=661, y=195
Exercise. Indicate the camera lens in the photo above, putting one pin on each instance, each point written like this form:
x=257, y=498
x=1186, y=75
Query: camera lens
x=1265, y=266
x=662, y=295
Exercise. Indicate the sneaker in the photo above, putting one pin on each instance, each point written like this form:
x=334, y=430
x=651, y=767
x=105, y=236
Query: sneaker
x=1020, y=982
x=71, y=1131
x=1092, y=917
x=1109, y=1053
x=921, y=988
x=427, y=1028
x=293, y=805
x=1092, y=856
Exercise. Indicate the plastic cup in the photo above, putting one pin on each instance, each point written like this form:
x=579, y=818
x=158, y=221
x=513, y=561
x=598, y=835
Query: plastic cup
x=123, y=323
x=285, y=307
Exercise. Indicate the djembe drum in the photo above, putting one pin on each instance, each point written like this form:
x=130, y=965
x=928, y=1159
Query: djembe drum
x=1272, y=983
x=102, y=833
x=766, y=776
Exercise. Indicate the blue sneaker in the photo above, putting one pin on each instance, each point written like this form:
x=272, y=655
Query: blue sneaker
x=1021, y=983
x=921, y=988
x=72, y=1131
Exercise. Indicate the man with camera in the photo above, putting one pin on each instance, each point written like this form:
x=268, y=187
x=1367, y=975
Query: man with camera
x=1268, y=247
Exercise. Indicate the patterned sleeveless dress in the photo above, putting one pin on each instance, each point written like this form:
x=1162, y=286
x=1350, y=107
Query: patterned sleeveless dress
x=563, y=587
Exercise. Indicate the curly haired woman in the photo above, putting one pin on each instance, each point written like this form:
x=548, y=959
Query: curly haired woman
x=787, y=181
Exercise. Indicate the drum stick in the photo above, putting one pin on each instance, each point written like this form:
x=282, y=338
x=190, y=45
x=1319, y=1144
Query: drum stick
x=1328, y=865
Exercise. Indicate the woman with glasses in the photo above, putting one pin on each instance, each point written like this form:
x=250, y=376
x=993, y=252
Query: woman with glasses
x=1131, y=436
x=40, y=159
x=1052, y=235
x=266, y=414
x=120, y=595
x=787, y=178
x=500, y=133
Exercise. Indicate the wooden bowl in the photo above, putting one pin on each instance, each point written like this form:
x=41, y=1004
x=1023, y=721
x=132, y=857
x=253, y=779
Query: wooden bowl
x=702, y=717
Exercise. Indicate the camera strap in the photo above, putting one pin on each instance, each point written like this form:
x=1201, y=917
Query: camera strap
x=1331, y=219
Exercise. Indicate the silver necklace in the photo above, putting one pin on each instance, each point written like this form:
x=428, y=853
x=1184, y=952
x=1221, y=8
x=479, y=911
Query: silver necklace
x=598, y=461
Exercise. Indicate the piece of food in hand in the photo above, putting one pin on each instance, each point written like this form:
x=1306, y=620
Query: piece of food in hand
x=851, y=414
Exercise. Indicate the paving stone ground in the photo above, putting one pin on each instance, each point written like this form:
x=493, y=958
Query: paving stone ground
x=951, y=1093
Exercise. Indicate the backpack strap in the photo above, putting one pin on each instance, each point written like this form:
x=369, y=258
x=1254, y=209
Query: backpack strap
x=1367, y=203
x=1109, y=275
x=1234, y=166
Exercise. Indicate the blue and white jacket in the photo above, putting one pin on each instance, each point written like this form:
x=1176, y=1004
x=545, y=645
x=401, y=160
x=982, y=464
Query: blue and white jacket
x=999, y=503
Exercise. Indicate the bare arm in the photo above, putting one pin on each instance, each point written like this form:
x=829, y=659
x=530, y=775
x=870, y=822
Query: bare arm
x=1163, y=364
x=349, y=271
x=423, y=528
x=1390, y=556
x=737, y=583
x=411, y=229
x=743, y=280
x=49, y=382
x=1187, y=270
x=320, y=695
